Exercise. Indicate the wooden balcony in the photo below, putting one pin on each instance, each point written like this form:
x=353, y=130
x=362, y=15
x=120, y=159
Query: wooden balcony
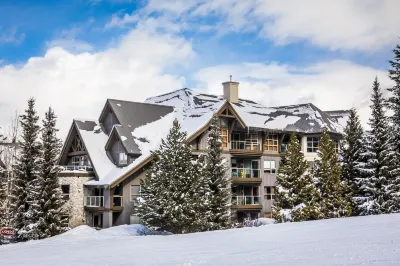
x=95, y=204
x=76, y=170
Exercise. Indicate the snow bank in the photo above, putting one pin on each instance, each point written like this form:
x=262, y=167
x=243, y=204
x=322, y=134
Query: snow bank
x=82, y=230
x=126, y=230
x=371, y=240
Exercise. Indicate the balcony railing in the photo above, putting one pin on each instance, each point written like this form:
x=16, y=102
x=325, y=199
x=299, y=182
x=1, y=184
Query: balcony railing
x=69, y=168
x=94, y=201
x=246, y=200
x=245, y=173
x=118, y=201
x=245, y=145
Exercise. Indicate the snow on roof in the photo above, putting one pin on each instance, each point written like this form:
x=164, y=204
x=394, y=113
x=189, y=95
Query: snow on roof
x=341, y=116
x=193, y=110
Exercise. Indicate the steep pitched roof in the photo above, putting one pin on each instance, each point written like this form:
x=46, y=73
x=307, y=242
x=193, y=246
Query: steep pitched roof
x=143, y=125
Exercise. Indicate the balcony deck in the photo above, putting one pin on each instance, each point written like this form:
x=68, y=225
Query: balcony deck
x=75, y=170
x=246, y=176
x=246, y=203
x=245, y=148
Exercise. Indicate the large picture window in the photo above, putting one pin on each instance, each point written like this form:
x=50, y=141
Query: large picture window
x=312, y=144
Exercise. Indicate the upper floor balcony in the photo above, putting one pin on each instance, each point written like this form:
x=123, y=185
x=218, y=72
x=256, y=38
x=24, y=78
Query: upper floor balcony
x=76, y=170
x=246, y=175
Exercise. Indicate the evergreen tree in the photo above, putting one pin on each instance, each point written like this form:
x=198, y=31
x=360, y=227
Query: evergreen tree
x=351, y=148
x=394, y=105
x=51, y=201
x=297, y=199
x=172, y=198
x=327, y=174
x=25, y=191
x=214, y=172
x=3, y=197
x=377, y=184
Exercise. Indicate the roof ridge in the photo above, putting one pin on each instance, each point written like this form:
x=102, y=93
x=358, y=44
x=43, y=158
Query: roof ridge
x=140, y=103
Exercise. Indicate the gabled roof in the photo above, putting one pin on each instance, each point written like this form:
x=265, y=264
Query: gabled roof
x=143, y=125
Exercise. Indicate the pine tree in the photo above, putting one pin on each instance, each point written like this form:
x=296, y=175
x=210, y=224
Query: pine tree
x=214, y=172
x=297, y=199
x=25, y=191
x=51, y=201
x=171, y=196
x=351, y=148
x=377, y=184
x=394, y=105
x=327, y=174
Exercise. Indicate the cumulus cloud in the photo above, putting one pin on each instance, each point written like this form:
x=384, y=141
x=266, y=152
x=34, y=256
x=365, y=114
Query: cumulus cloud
x=330, y=85
x=76, y=85
x=333, y=24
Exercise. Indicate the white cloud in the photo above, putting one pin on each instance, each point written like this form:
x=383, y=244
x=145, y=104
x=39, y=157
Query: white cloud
x=329, y=85
x=77, y=85
x=71, y=45
x=333, y=24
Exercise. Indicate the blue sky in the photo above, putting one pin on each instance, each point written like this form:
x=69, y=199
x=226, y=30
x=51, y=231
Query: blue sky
x=282, y=52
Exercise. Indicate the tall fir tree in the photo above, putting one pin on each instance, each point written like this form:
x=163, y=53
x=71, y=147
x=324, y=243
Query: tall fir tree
x=297, y=199
x=394, y=105
x=51, y=201
x=25, y=191
x=351, y=149
x=3, y=196
x=377, y=184
x=335, y=201
x=172, y=197
x=214, y=172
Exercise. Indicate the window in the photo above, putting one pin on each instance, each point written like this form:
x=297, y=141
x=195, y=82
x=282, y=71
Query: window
x=123, y=158
x=336, y=145
x=252, y=142
x=65, y=191
x=64, y=221
x=245, y=168
x=312, y=144
x=269, y=193
x=271, y=142
x=269, y=167
x=224, y=136
x=135, y=193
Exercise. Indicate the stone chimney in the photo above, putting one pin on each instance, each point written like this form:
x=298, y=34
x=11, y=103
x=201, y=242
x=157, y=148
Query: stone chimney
x=231, y=91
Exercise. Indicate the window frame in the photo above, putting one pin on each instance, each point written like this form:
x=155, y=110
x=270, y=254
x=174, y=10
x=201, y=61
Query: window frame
x=66, y=196
x=270, y=169
x=314, y=144
x=271, y=195
x=271, y=142
x=137, y=195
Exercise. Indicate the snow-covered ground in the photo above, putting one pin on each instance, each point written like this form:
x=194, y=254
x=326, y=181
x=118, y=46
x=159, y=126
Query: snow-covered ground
x=373, y=240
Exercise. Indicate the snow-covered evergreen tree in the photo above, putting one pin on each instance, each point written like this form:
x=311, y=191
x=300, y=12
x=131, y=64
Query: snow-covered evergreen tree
x=297, y=199
x=214, y=172
x=377, y=184
x=50, y=200
x=26, y=187
x=394, y=105
x=351, y=148
x=335, y=201
x=172, y=198
x=3, y=197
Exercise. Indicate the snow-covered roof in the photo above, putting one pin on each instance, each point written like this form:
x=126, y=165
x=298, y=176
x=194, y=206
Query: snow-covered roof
x=193, y=110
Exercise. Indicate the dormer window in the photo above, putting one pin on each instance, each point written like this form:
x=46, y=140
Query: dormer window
x=123, y=159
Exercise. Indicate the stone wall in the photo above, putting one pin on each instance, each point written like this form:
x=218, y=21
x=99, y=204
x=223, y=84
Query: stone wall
x=75, y=204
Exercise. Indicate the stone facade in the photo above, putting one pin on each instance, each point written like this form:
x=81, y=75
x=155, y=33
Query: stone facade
x=75, y=204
